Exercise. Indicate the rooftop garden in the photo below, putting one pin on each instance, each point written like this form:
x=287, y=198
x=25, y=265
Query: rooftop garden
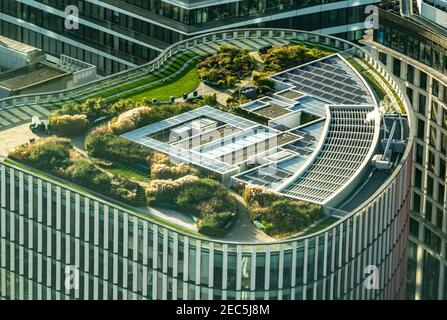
x=58, y=157
x=185, y=189
x=279, y=216
x=371, y=76
x=226, y=67
x=132, y=174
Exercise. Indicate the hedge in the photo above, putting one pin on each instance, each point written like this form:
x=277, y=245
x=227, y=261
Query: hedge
x=68, y=125
x=103, y=144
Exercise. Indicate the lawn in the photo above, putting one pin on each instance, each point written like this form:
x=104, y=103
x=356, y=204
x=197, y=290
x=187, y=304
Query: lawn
x=173, y=67
x=185, y=82
x=127, y=173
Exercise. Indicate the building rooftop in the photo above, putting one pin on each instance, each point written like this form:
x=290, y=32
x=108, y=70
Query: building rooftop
x=324, y=127
x=17, y=46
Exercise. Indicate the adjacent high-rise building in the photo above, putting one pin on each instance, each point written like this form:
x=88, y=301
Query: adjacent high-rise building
x=412, y=42
x=115, y=35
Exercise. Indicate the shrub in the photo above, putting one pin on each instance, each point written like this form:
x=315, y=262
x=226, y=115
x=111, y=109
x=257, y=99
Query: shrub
x=120, y=107
x=278, y=214
x=166, y=190
x=159, y=158
x=192, y=195
x=143, y=116
x=259, y=196
x=164, y=171
x=85, y=173
x=264, y=85
x=214, y=225
x=57, y=156
x=68, y=125
x=48, y=154
x=210, y=100
x=217, y=204
x=285, y=57
x=227, y=66
x=91, y=108
x=124, y=190
x=204, y=198
x=129, y=120
x=103, y=144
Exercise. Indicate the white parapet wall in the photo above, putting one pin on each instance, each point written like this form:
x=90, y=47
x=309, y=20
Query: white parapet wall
x=82, y=72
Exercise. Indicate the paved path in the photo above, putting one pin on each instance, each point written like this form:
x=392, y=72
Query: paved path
x=243, y=229
x=13, y=137
x=173, y=216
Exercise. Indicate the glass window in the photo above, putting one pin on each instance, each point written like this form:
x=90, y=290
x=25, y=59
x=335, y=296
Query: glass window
x=423, y=80
x=428, y=211
x=416, y=203
x=410, y=73
x=435, y=116
x=422, y=103
x=432, y=240
x=442, y=167
x=418, y=178
x=435, y=87
x=421, y=129
x=396, y=67
x=419, y=154
x=414, y=227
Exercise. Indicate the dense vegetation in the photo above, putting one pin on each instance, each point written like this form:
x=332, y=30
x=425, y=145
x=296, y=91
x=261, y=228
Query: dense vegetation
x=279, y=215
x=205, y=199
x=74, y=118
x=162, y=168
x=103, y=144
x=227, y=66
x=57, y=156
x=281, y=58
x=68, y=125
x=143, y=116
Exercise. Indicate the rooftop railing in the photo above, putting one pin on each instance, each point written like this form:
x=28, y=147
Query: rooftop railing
x=89, y=89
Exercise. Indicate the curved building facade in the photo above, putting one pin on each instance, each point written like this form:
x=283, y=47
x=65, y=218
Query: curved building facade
x=118, y=35
x=50, y=231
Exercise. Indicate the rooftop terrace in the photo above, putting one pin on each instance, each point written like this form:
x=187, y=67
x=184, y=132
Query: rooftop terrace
x=324, y=127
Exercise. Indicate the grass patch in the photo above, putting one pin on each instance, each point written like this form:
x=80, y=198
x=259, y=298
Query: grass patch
x=368, y=77
x=127, y=173
x=322, y=224
x=163, y=73
x=185, y=82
